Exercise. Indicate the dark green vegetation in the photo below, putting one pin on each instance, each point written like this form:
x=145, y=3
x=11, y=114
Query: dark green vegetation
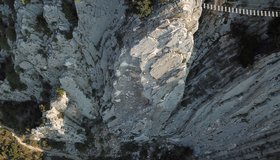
x=144, y=8
x=11, y=149
x=24, y=2
x=20, y=116
x=141, y=7
x=60, y=92
x=70, y=12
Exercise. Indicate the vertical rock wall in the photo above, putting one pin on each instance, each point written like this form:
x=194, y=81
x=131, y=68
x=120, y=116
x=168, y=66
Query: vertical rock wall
x=135, y=88
x=151, y=70
x=230, y=108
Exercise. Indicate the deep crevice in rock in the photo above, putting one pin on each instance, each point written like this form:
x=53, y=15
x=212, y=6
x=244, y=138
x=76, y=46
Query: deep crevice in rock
x=70, y=12
x=2, y=74
x=20, y=116
x=251, y=44
x=12, y=75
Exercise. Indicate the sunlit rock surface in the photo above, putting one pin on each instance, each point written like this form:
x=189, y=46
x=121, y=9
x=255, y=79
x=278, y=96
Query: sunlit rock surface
x=165, y=86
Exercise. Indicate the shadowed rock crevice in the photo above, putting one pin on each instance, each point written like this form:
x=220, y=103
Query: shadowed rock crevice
x=273, y=32
x=20, y=116
x=7, y=28
x=70, y=12
x=12, y=75
x=251, y=44
x=2, y=74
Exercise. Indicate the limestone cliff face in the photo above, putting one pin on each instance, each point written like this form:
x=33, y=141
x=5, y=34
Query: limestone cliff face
x=150, y=71
x=230, y=108
x=122, y=76
x=144, y=88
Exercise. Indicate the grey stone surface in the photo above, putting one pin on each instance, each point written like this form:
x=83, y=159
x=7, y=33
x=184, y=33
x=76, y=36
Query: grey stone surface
x=146, y=80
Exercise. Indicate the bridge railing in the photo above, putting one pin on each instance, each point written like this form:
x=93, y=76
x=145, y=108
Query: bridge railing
x=242, y=11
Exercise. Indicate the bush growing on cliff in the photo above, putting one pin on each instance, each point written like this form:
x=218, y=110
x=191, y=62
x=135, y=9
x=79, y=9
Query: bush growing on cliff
x=60, y=92
x=24, y=2
x=141, y=7
x=144, y=7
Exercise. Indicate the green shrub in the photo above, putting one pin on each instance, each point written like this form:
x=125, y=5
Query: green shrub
x=24, y=2
x=144, y=7
x=141, y=7
x=60, y=92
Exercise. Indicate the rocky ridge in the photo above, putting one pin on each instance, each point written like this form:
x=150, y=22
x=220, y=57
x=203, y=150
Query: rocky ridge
x=144, y=88
x=104, y=71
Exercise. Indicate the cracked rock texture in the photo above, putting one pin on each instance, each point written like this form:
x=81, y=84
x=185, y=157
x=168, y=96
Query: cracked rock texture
x=166, y=86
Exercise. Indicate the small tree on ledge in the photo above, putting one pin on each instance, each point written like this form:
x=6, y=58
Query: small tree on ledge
x=60, y=92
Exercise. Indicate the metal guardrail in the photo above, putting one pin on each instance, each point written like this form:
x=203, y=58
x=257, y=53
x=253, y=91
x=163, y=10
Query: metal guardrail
x=242, y=11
